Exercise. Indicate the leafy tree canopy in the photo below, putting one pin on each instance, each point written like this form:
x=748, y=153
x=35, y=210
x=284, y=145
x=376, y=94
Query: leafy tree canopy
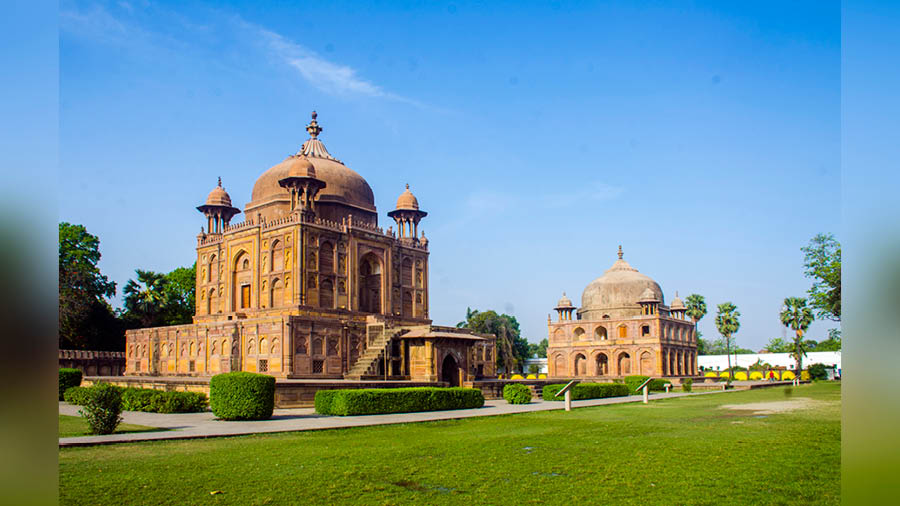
x=538, y=350
x=154, y=299
x=797, y=316
x=512, y=348
x=696, y=307
x=822, y=260
x=86, y=320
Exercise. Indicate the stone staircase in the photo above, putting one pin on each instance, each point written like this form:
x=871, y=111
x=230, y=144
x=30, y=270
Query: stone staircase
x=367, y=363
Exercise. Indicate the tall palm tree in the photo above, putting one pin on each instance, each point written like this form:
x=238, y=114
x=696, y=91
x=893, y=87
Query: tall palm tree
x=696, y=309
x=796, y=316
x=145, y=299
x=728, y=325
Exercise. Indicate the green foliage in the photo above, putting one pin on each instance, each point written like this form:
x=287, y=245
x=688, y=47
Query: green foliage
x=242, y=396
x=102, y=408
x=86, y=320
x=633, y=381
x=77, y=395
x=180, y=292
x=833, y=343
x=778, y=345
x=517, y=393
x=534, y=369
x=538, y=350
x=818, y=371
x=159, y=401
x=512, y=348
x=687, y=384
x=822, y=260
x=155, y=299
x=68, y=378
x=582, y=391
x=728, y=324
x=374, y=401
x=659, y=385
x=696, y=307
x=797, y=316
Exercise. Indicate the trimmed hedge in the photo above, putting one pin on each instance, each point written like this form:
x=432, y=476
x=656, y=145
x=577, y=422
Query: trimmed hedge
x=102, y=408
x=656, y=385
x=373, y=401
x=68, y=378
x=242, y=396
x=687, y=384
x=517, y=393
x=145, y=399
x=818, y=371
x=582, y=391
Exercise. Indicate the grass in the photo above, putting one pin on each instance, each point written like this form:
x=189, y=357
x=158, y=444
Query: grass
x=70, y=426
x=675, y=451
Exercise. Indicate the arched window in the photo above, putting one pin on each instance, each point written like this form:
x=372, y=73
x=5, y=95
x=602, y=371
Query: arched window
x=276, y=294
x=326, y=294
x=600, y=333
x=606, y=317
x=370, y=284
x=241, y=281
x=580, y=365
x=602, y=365
x=326, y=258
x=212, y=274
x=407, y=309
x=317, y=346
x=624, y=364
x=579, y=332
x=406, y=273
x=645, y=330
x=623, y=331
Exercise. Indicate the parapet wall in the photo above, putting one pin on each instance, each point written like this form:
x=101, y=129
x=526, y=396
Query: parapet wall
x=94, y=363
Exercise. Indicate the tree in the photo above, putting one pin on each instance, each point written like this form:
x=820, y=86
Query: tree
x=778, y=345
x=180, y=295
x=822, y=260
x=512, y=348
x=797, y=316
x=538, y=350
x=833, y=343
x=86, y=320
x=696, y=310
x=727, y=323
x=146, y=299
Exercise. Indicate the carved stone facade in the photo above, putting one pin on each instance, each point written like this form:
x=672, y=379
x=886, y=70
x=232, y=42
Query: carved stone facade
x=309, y=286
x=622, y=328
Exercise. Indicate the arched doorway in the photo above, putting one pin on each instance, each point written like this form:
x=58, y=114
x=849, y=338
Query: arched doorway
x=580, y=365
x=450, y=371
x=624, y=364
x=560, y=366
x=370, y=284
x=646, y=363
x=602, y=365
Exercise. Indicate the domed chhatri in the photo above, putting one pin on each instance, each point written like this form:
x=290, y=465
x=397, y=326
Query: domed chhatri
x=623, y=327
x=218, y=209
x=345, y=191
x=407, y=215
x=308, y=284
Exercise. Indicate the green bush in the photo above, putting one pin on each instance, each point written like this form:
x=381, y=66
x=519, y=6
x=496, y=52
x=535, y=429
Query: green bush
x=658, y=385
x=159, y=401
x=635, y=381
x=242, y=396
x=77, y=395
x=687, y=384
x=582, y=391
x=102, y=408
x=517, y=393
x=68, y=378
x=372, y=401
x=816, y=372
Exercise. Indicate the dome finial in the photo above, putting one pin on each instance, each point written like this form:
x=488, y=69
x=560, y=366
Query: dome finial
x=220, y=181
x=407, y=186
x=313, y=128
x=620, y=252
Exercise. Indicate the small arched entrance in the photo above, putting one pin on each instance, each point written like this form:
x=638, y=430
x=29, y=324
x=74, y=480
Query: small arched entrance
x=602, y=365
x=450, y=371
x=624, y=364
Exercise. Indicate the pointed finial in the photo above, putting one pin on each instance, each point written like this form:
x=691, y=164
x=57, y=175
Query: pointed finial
x=220, y=181
x=620, y=252
x=407, y=186
x=313, y=128
x=564, y=293
x=676, y=293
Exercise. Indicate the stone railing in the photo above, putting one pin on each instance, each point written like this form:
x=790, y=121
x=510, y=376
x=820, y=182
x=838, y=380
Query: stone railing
x=94, y=363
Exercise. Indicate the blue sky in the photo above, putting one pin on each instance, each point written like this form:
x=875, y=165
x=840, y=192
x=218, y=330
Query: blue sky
x=703, y=137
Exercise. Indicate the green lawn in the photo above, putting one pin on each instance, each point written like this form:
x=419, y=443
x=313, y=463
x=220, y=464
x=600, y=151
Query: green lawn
x=677, y=451
x=70, y=426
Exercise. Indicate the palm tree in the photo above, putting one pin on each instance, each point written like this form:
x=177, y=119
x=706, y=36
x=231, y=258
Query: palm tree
x=797, y=316
x=728, y=325
x=145, y=298
x=696, y=309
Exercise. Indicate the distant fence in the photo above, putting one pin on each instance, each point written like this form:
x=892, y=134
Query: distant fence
x=94, y=363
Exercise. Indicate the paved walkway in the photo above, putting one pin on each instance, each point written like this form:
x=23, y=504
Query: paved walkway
x=201, y=425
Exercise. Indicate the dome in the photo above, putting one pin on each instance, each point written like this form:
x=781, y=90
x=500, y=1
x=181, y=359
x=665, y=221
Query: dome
x=407, y=201
x=648, y=296
x=218, y=196
x=564, y=302
x=677, y=303
x=343, y=185
x=620, y=287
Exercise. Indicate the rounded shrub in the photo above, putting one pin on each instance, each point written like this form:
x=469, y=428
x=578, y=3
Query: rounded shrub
x=710, y=374
x=804, y=375
x=68, y=378
x=102, y=408
x=531, y=377
x=687, y=385
x=517, y=377
x=756, y=375
x=724, y=374
x=740, y=376
x=788, y=375
x=242, y=396
x=542, y=376
x=517, y=393
x=818, y=372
